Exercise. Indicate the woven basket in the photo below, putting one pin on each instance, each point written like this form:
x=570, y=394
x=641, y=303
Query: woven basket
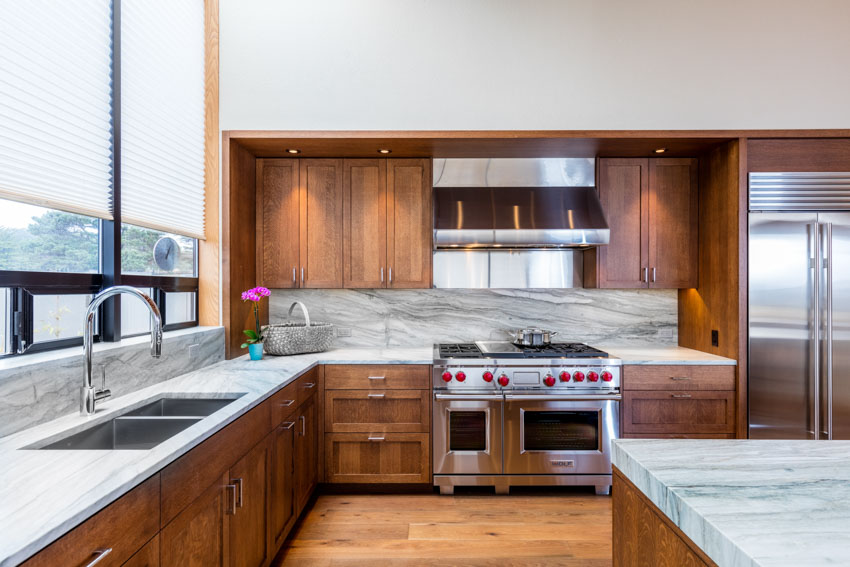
x=298, y=338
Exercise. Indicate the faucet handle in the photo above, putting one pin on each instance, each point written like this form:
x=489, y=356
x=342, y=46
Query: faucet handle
x=103, y=393
x=103, y=377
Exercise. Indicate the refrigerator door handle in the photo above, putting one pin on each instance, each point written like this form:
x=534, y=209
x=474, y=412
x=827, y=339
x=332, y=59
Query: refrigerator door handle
x=814, y=239
x=827, y=271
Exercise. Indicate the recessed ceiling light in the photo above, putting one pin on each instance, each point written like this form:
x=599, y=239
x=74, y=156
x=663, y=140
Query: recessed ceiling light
x=384, y=151
x=293, y=151
x=660, y=150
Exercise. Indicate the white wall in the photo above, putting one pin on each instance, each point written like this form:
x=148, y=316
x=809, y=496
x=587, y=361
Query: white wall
x=553, y=64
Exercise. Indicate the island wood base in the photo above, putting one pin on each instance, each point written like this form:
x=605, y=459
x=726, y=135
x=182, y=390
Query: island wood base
x=644, y=535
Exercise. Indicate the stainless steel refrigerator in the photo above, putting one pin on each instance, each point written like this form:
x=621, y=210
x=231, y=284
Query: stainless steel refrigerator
x=799, y=306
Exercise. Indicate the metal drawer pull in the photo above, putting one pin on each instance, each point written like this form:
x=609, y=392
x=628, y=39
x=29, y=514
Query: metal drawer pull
x=645, y=275
x=391, y=274
x=376, y=395
x=376, y=438
x=309, y=385
x=232, y=488
x=287, y=425
x=377, y=377
x=237, y=482
x=294, y=279
x=287, y=403
x=303, y=425
x=302, y=275
x=680, y=377
x=382, y=274
x=680, y=395
x=653, y=275
x=99, y=555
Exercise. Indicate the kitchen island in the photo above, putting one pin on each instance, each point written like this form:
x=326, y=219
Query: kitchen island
x=732, y=503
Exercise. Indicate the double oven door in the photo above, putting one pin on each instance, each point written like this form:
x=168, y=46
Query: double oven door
x=552, y=434
x=468, y=433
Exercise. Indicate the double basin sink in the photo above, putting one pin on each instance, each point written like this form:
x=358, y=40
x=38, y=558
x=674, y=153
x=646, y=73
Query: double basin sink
x=144, y=427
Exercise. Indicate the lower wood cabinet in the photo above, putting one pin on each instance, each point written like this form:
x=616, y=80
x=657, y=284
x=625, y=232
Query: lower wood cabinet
x=199, y=535
x=306, y=470
x=248, y=532
x=148, y=556
x=282, y=506
x=399, y=411
x=378, y=458
x=694, y=411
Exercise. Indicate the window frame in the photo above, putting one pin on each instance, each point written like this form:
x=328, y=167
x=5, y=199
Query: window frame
x=23, y=285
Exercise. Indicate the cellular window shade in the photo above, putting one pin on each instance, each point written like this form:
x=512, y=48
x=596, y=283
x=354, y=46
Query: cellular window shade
x=56, y=104
x=162, y=115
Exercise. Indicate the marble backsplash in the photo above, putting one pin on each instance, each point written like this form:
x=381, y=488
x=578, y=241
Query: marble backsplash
x=391, y=318
x=41, y=387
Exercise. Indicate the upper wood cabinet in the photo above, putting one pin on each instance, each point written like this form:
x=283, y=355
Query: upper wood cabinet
x=387, y=223
x=651, y=207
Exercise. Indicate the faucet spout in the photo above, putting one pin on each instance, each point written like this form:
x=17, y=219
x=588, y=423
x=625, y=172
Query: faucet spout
x=89, y=395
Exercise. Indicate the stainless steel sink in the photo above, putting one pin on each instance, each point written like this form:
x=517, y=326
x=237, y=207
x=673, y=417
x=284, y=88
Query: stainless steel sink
x=125, y=433
x=182, y=407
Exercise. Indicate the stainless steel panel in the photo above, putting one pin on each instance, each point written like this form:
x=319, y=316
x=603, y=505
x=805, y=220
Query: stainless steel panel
x=521, y=460
x=125, y=433
x=448, y=461
x=800, y=191
x=782, y=325
x=839, y=333
x=509, y=269
x=514, y=172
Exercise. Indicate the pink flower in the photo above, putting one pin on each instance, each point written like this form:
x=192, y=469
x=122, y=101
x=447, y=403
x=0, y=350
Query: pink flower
x=262, y=291
x=255, y=294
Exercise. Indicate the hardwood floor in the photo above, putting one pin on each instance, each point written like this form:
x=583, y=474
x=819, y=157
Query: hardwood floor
x=530, y=529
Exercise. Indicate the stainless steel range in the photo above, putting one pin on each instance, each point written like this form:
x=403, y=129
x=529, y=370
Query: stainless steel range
x=507, y=415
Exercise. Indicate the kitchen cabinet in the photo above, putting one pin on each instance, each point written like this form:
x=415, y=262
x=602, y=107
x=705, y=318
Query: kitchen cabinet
x=378, y=457
x=282, y=506
x=651, y=207
x=299, y=223
x=148, y=556
x=399, y=411
x=306, y=453
x=248, y=525
x=387, y=223
x=198, y=536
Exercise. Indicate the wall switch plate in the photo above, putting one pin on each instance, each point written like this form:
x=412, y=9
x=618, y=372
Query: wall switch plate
x=715, y=337
x=343, y=331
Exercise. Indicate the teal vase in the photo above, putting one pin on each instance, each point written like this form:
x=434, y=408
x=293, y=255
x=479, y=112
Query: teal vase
x=256, y=351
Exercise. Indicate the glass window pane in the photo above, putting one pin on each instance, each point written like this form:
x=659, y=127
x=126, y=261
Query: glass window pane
x=59, y=316
x=5, y=314
x=179, y=307
x=151, y=252
x=36, y=239
x=135, y=317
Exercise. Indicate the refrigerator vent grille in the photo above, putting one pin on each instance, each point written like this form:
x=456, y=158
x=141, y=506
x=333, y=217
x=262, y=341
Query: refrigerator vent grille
x=800, y=191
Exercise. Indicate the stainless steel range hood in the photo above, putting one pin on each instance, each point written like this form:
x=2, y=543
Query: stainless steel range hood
x=517, y=204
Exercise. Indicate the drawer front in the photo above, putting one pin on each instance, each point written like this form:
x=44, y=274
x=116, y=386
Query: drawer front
x=678, y=377
x=122, y=527
x=307, y=385
x=678, y=412
x=383, y=377
x=386, y=458
x=677, y=436
x=365, y=411
x=284, y=403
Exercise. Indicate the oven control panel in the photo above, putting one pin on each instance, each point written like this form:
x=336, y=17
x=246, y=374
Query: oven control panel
x=555, y=377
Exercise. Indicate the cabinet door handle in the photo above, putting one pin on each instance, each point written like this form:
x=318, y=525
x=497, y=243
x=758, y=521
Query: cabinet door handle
x=287, y=425
x=99, y=554
x=653, y=275
x=232, y=489
x=309, y=385
x=391, y=274
x=680, y=395
x=382, y=274
x=680, y=377
x=287, y=403
x=294, y=279
x=303, y=425
x=645, y=277
x=302, y=275
x=376, y=395
x=377, y=377
x=376, y=438
x=237, y=483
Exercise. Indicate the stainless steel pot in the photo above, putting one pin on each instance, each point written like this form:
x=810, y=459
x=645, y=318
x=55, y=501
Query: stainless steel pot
x=532, y=337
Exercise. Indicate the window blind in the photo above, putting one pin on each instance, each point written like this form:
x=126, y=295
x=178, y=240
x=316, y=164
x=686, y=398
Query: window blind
x=162, y=115
x=56, y=104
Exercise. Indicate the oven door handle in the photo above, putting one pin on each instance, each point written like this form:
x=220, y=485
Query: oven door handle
x=469, y=397
x=565, y=398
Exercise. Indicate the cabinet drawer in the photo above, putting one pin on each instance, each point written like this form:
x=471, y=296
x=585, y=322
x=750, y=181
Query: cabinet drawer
x=370, y=411
x=679, y=377
x=677, y=436
x=284, y=403
x=386, y=458
x=384, y=377
x=122, y=527
x=307, y=385
x=679, y=412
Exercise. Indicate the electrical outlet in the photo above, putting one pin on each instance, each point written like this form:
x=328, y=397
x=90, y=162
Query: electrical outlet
x=715, y=337
x=343, y=331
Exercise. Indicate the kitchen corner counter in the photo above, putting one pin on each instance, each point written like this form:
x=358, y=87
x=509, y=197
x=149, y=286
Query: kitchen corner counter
x=666, y=355
x=749, y=502
x=47, y=493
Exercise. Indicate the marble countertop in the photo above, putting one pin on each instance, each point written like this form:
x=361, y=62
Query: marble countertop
x=653, y=354
x=749, y=502
x=44, y=494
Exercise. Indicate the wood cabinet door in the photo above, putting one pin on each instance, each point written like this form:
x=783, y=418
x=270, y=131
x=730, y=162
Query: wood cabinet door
x=673, y=223
x=148, y=556
x=198, y=536
x=679, y=412
x=623, y=192
x=409, y=223
x=378, y=457
x=321, y=199
x=400, y=411
x=249, y=525
x=282, y=509
x=278, y=217
x=365, y=223
x=306, y=453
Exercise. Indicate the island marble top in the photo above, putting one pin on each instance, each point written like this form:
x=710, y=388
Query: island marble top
x=749, y=502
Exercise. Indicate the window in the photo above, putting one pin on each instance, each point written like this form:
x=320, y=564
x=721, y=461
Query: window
x=99, y=186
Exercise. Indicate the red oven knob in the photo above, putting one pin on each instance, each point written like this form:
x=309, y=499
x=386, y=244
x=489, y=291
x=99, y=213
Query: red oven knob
x=607, y=376
x=593, y=376
x=578, y=376
x=447, y=376
x=460, y=376
x=564, y=376
x=488, y=376
x=549, y=380
x=503, y=380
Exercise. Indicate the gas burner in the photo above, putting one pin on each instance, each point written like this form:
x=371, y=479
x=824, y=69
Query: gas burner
x=459, y=350
x=562, y=350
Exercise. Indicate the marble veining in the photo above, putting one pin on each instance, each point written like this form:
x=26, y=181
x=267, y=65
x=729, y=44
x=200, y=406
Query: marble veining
x=749, y=502
x=37, y=388
x=391, y=318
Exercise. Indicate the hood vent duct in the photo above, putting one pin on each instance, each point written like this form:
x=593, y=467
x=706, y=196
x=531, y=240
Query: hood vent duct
x=517, y=204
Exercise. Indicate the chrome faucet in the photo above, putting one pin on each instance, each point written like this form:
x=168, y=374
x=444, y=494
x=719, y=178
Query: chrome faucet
x=89, y=395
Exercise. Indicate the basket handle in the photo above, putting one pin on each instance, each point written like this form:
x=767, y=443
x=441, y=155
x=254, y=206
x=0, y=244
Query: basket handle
x=303, y=310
